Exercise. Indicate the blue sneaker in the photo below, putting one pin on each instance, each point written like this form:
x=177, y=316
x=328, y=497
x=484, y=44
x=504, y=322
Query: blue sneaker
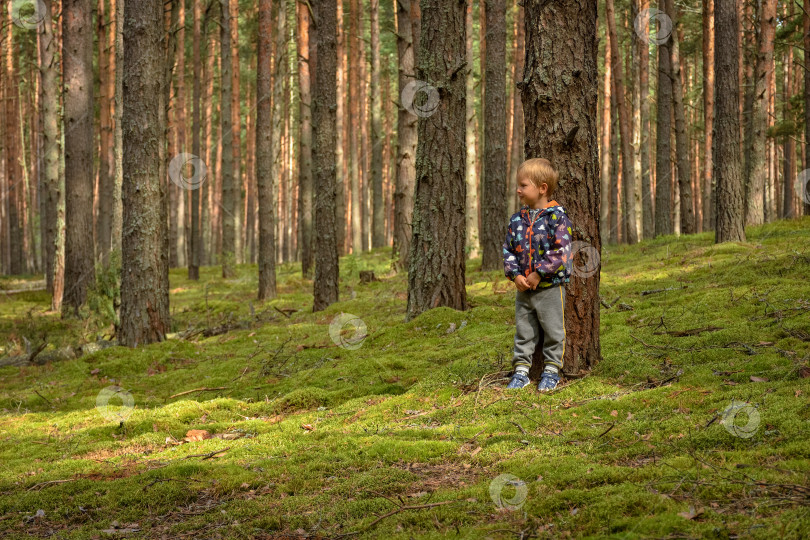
x=548, y=382
x=519, y=380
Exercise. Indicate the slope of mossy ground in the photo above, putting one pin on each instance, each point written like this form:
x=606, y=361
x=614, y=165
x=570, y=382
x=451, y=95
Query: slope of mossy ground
x=408, y=433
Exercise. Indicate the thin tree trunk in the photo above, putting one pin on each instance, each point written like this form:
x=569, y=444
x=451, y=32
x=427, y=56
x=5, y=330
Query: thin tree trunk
x=560, y=105
x=354, y=126
x=236, y=136
x=77, y=65
x=13, y=150
x=628, y=178
x=516, y=157
x=378, y=225
x=493, y=204
x=471, y=176
x=306, y=63
x=436, y=275
x=727, y=163
x=708, y=114
x=805, y=187
x=106, y=169
x=145, y=272
x=687, y=209
x=264, y=154
x=195, y=258
x=407, y=138
x=605, y=147
x=342, y=135
x=179, y=246
x=324, y=155
x=230, y=203
x=663, y=178
x=615, y=169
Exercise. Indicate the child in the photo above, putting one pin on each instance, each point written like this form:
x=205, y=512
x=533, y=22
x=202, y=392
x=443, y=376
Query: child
x=537, y=257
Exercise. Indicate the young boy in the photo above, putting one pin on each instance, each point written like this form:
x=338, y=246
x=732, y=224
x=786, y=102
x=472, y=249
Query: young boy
x=537, y=257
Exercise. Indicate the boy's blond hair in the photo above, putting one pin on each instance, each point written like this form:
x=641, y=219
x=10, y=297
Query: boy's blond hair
x=540, y=171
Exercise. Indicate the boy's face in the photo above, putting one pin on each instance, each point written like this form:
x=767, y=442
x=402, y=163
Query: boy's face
x=528, y=192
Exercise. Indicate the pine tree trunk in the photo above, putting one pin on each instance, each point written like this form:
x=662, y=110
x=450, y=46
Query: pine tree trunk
x=354, y=126
x=236, y=137
x=727, y=163
x=13, y=147
x=605, y=146
x=663, y=174
x=708, y=115
x=208, y=213
x=615, y=169
x=757, y=170
x=306, y=63
x=106, y=170
x=788, y=142
x=180, y=194
x=77, y=66
x=324, y=161
x=805, y=188
x=688, y=225
x=196, y=245
x=471, y=175
x=407, y=135
x=264, y=155
x=378, y=213
x=560, y=106
x=436, y=276
x=516, y=155
x=628, y=174
x=493, y=203
x=145, y=272
x=54, y=192
x=342, y=135
x=230, y=206
x=647, y=203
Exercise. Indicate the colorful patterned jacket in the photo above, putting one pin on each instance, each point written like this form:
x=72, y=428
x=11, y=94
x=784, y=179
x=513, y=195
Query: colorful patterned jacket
x=550, y=252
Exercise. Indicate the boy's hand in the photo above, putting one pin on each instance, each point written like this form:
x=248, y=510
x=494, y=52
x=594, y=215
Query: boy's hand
x=533, y=280
x=521, y=283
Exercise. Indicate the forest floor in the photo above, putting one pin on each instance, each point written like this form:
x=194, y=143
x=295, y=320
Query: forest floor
x=250, y=422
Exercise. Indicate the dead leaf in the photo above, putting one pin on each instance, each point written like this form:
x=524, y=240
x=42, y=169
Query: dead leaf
x=274, y=419
x=754, y=378
x=474, y=452
x=95, y=371
x=629, y=415
x=307, y=427
x=797, y=393
x=597, y=417
x=614, y=413
x=691, y=514
x=196, y=435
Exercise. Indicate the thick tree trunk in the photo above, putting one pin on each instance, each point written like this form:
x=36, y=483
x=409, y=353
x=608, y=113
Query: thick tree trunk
x=179, y=247
x=324, y=157
x=264, y=155
x=628, y=174
x=688, y=225
x=342, y=136
x=378, y=214
x=471, y=164
x=145, y=272
x=277, y=139
x=758, y=165
x=727, y=163
x=647, y=203
x=407, y=135
x=106, y=170
x=559, y=102
x=196, y=245
x=354, y=125
x=436, y=276
x=493, y=189
x=663, y=169
x=77, y=66
x=708, y=115
x=306, y=62
x=117, y=6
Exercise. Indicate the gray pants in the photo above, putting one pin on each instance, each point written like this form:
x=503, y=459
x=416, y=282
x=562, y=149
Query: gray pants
x=536, y=311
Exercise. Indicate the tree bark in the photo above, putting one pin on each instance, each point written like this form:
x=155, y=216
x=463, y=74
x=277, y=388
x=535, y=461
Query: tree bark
x=324, y=156
x=628, y=174
x=708, y=115
x=757, y=170
x=236, y=137
x=378, y=214
x=13, y=150
x=180, y=194
x=436, y=275
x=407, y=136
x=516, y=157
x=647, y=202
x=196, y=245
x=77, y=66
x=605, y=146
x=342, y=136
x=471, y=164
x=688, y=225
x=264, y=154
x=663, y=169
x=805, y=187
x=306, y=63
x=230, y=206
x=727, y=164
x=493, y=204
x=106, y=170
x=560, y=107
x=145, y=272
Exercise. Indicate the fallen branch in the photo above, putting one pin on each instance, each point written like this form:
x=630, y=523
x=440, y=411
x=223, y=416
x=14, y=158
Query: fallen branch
x=198, y=390
x=654, y=291
x=49, y=483
x=402, y=508
x=209, y=455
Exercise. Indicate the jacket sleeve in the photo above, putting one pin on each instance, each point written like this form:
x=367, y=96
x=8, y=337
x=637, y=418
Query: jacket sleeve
x=558, y=258
x=511, y=267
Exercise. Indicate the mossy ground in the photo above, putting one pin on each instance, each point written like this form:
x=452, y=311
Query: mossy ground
x=330, y=438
